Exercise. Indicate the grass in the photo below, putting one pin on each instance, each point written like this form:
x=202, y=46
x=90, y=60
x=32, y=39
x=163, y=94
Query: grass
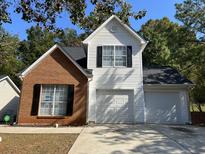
x=195, y=107
x=36, y=143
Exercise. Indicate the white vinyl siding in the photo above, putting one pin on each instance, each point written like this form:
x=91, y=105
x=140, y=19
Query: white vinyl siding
x=118, y=77
x=53, y=100
x=9, y=99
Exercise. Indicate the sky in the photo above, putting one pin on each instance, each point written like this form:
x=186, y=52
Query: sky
x=156, y=9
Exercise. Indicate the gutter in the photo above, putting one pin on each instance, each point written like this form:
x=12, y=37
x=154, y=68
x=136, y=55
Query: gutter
x=169, y=85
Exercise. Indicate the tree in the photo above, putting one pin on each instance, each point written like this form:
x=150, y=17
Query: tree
x=40, y=40
x=46, y=12
x=69, y=37
x=9, y=63
x=196, y=72
x=177, y=46
x=192, y=14
x=4, y=15
x=103, y=10
x=168, y=43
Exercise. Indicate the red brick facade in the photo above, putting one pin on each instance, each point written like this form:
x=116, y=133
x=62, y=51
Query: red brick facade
x=56, y=68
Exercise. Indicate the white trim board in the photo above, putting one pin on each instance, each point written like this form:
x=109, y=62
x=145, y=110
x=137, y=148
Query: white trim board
x=32, y=66
x=167, y=86
x=12, y=83
x=130, y=30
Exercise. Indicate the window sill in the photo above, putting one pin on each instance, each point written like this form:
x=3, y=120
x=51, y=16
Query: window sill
x=51, y=117
x=113, y=67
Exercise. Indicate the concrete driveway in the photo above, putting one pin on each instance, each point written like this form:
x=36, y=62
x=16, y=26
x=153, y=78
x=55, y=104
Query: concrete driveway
x=128, y=139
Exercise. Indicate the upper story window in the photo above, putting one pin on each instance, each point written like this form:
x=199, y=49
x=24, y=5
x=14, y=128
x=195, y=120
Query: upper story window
x=114, y=56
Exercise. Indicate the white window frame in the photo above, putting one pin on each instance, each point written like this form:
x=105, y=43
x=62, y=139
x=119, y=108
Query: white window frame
x=53, y=103
x=114, y=66
x=108, y=55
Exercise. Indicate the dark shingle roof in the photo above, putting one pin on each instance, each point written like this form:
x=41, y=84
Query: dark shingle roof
x=78, y=54
x=163, y=75
x=2, y=76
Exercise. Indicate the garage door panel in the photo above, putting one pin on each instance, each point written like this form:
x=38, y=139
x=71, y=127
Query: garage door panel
x=113, y=106
x=162, y=107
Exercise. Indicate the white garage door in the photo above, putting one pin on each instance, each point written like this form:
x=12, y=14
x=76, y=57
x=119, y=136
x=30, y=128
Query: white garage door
x=114, y=106
x=162, y=107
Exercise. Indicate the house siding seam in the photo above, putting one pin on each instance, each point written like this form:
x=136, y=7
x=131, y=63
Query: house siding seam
x=56, y=68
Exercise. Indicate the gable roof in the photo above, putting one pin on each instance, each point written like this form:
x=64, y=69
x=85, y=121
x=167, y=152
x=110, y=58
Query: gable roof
x=4, y=77
x=128, y=28
x=163, y=75
x=65, y=52
x=78, y=54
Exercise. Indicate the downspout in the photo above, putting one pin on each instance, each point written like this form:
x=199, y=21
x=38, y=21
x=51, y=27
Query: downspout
x=88, y=97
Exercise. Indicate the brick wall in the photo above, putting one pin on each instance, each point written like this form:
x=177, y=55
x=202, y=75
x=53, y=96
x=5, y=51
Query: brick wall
x=56, y=68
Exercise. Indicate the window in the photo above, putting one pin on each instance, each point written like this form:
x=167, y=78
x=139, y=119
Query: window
x=108, y=56
x=120, y=56
x=114, y=56
x=53, y=100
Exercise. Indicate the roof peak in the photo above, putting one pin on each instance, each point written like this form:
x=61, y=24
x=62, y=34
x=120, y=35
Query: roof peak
x=6, y=77
x=128, y=28
x=33, y=65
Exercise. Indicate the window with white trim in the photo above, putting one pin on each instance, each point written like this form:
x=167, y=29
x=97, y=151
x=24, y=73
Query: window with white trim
x=108, y=56
x=114, y=56
x=53, y=101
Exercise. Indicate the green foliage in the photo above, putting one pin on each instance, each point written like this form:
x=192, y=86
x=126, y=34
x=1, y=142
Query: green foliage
x=102, y=10
x=40, y=40
x=192, y=14
x=176, y=46
x=168, y=42
x=46, y=12
x=16, y=56
x=9, y=63
x=196, y=71
x=69, y=37
x=4, y=15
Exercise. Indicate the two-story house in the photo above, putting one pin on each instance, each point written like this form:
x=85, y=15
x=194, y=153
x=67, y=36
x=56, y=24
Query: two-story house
x=102, y=82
